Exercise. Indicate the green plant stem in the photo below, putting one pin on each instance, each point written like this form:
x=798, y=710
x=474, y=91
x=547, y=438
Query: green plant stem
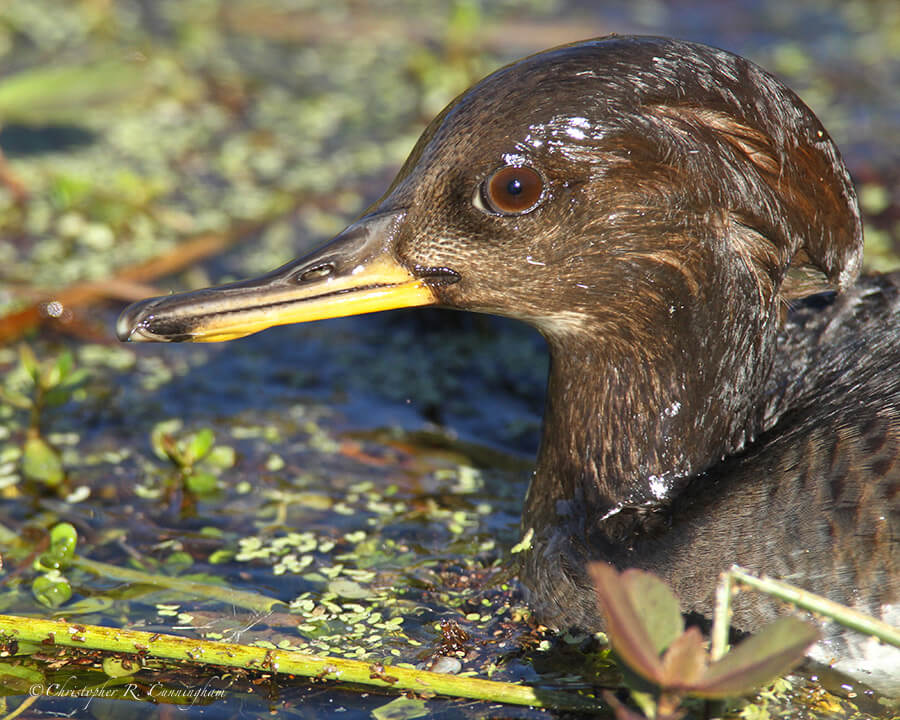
x=721, y=617
x=172, y=647
x=806, y=600
x=248, y=600
x=34, y=417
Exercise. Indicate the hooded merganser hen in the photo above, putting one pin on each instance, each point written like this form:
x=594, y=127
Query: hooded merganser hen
x=654, y=208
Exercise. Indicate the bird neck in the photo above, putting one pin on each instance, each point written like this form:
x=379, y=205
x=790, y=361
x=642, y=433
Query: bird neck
x=634, y=412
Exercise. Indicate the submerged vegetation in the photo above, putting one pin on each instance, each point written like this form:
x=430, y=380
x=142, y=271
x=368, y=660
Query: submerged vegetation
x=349, y=489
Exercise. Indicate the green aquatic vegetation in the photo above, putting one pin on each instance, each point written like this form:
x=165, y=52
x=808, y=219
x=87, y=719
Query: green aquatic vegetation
x=664, y=664
x=368, y=586
x=34, y=387
x=197, y=460
x=646, y=631
x=354, y=612
x=45, y=94
x=52, y=588
x=27, y=635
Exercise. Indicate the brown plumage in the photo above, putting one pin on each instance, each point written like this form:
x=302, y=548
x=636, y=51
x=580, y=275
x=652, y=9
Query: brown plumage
x=649, y=205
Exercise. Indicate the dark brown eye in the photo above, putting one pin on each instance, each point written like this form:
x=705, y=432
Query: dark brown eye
x=510, y=191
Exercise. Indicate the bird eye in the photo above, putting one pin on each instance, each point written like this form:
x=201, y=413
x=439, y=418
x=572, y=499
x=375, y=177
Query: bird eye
x=510, y=191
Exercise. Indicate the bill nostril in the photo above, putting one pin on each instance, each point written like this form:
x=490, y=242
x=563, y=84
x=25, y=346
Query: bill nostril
x=317, y=273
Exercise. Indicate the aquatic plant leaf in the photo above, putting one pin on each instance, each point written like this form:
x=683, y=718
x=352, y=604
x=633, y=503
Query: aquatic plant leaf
x=60, y=381
x=685, y=661
x=348, y=589
x=221, y=457
x=758, y=660
x=178, y=562
x=64, y=364
x=56, y=396
x=51, y=590
x=52, y=374
x=86, y=606
x=163, y=442
x=656, y=605
x=201, y=483
x=220, y=557
x=401, y=709
x=116, y=667
x=75, y=378
x=29, y=361
x=47, y=94
x=16, y=398
x=63, y=539
x=198, y=445
x=19, y=679
x=41, y=462
x=623, y=712
x=628, y=634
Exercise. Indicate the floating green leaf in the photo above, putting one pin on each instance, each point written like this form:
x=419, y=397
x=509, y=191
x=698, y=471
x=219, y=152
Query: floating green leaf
x=52, y=589
x=401, y=708
x=349, y=589
x=89, y=605
x=63, y=539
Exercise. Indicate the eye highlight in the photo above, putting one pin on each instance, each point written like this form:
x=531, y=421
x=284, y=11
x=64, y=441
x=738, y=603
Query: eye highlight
x=511, y=190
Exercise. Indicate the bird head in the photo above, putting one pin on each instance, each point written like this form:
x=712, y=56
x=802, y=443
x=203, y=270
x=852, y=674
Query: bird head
x=624, y=182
